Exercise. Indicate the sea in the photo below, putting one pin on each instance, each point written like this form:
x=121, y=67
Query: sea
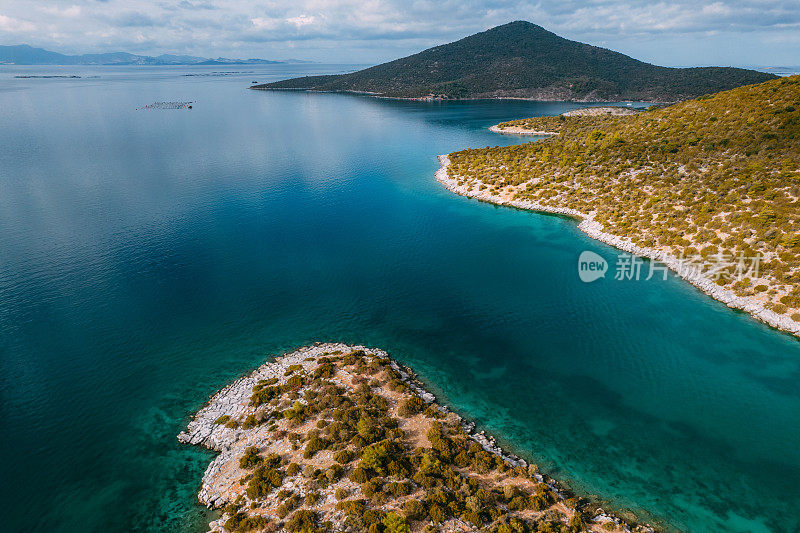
x=151, y=255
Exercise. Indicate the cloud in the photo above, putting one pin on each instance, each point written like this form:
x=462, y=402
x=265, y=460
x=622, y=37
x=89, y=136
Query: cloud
x=262, y=23
x=134, y=19
x=302, y=20
x=66, y=12
x=375, y=30
x=185, y=4
x=12, y=25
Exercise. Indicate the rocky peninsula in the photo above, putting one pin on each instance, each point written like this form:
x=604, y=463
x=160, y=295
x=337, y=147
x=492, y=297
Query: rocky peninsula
x=546, y=126
x=519, y=130
x=333, y=437
x=587, y=223
x=709, y=187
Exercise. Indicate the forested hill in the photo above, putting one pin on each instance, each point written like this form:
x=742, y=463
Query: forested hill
x=524, y=60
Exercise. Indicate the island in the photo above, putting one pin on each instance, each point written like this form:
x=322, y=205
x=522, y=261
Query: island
x=709, y=187
x=524, y=60
x=333, y=437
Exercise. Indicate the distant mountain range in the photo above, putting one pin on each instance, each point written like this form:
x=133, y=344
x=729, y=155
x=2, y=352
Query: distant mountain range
x=523, y=60
x=27, y=55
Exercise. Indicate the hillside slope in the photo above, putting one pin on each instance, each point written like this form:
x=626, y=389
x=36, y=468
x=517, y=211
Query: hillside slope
x=524, y=60
x=712, y=183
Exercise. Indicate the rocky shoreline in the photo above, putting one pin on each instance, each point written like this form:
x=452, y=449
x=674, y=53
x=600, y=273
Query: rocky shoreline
x=516, y=130
x=594, y=229
x=223, y=481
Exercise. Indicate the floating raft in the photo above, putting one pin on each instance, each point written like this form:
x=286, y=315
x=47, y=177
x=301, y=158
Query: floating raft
x=168, y=105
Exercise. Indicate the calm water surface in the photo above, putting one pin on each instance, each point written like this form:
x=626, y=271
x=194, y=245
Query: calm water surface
x=147, y=258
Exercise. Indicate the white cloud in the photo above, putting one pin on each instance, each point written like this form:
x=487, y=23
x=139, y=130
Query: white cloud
x=12, y=25
x=68, y=12
x=302, y=20
x=375, y=30
x=264, y=23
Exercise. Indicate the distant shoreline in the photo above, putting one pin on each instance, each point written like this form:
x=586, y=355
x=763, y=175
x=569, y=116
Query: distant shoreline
x=594, y=230
x=436, y=99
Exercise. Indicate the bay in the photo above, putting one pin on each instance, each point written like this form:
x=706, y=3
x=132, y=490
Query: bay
x=149, y=257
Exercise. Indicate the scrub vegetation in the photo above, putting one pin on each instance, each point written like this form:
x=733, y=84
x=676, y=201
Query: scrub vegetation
x=349, y=445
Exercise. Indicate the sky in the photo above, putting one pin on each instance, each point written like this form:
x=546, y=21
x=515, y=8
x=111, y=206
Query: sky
x=671, y=33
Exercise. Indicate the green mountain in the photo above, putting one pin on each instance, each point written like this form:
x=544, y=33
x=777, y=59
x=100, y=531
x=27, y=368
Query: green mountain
x=524, y=60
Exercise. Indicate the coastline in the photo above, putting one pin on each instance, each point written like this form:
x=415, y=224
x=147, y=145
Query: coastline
x=594, y=230
x=223, y=479
x=439, y=99
x=516, y=130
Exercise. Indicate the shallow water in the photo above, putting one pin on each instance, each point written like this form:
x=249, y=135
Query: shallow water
x=149, y=257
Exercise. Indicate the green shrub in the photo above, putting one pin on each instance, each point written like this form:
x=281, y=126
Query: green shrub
x=376, y=457
x=369, y=488
x=241, y=522
x=412, y=406
x=399, y=489
x=518, y=503
x=507, y=524
x=373, y=517
x=334, y=473
x=254, y=420
x=394, y=523
x=250, y=459
x=437, y=514
x=352, y=507
x=262, y=395
x=343, y=457
x=302, y=521
x=292, y=369
x=263, y=481
x=289, y=505
x=296, y=413
x=359, y=475
x=325, y=370
x=433, y=412
x=314, y=445
x=414, y=509
x=293, y=383
x=543, y=498
x=576, y=523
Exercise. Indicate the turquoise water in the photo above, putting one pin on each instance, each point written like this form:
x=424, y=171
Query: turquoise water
x=147, y=258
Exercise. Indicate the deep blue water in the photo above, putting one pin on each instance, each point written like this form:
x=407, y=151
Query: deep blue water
x=147, y=258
